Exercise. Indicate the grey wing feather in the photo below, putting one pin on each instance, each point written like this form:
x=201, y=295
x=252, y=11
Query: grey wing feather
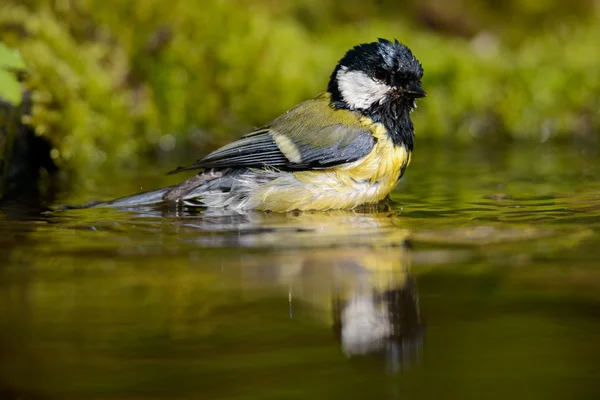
x=257, y=150
x=326, y=146
x=339, y=153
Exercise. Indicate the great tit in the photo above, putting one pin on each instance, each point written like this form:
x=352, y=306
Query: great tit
x=346, y=147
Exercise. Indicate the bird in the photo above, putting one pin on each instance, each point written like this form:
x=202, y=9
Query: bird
x=346, y=147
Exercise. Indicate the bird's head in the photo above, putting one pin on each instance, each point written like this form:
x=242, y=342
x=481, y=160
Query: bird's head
x=382, y=75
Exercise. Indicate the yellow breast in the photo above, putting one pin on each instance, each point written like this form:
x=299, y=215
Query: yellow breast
x=365, y=181
x=382, y=166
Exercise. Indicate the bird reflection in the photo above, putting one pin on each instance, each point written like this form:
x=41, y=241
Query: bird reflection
x=357, y=280
x=352, y=266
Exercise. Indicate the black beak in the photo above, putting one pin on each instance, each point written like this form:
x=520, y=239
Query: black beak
x=414, y=90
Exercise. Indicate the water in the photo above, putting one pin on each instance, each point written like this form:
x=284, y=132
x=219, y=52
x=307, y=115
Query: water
x=480, y=279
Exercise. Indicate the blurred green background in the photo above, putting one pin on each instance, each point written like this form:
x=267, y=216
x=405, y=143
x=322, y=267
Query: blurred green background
x=115, y=83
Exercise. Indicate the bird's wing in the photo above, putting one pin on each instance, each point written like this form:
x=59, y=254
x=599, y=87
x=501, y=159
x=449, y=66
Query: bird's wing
x=312, y=135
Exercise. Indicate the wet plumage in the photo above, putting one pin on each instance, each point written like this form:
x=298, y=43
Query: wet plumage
x=346, y=147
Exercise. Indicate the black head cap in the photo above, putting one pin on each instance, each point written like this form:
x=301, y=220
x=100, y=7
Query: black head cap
x=389, y=62
x=381, y=80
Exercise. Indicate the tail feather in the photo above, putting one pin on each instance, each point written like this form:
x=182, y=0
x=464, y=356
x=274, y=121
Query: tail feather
x=147, y=198
x=191, y=189
x=140, y=199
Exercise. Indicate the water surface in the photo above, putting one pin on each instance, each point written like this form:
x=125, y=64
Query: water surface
x=479, y=279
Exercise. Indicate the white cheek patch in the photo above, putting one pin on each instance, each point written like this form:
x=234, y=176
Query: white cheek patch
x=359, y=90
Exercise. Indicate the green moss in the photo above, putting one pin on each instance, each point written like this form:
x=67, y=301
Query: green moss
x=10, y=62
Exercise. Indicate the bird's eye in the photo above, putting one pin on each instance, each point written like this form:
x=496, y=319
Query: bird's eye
x=380, y=74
